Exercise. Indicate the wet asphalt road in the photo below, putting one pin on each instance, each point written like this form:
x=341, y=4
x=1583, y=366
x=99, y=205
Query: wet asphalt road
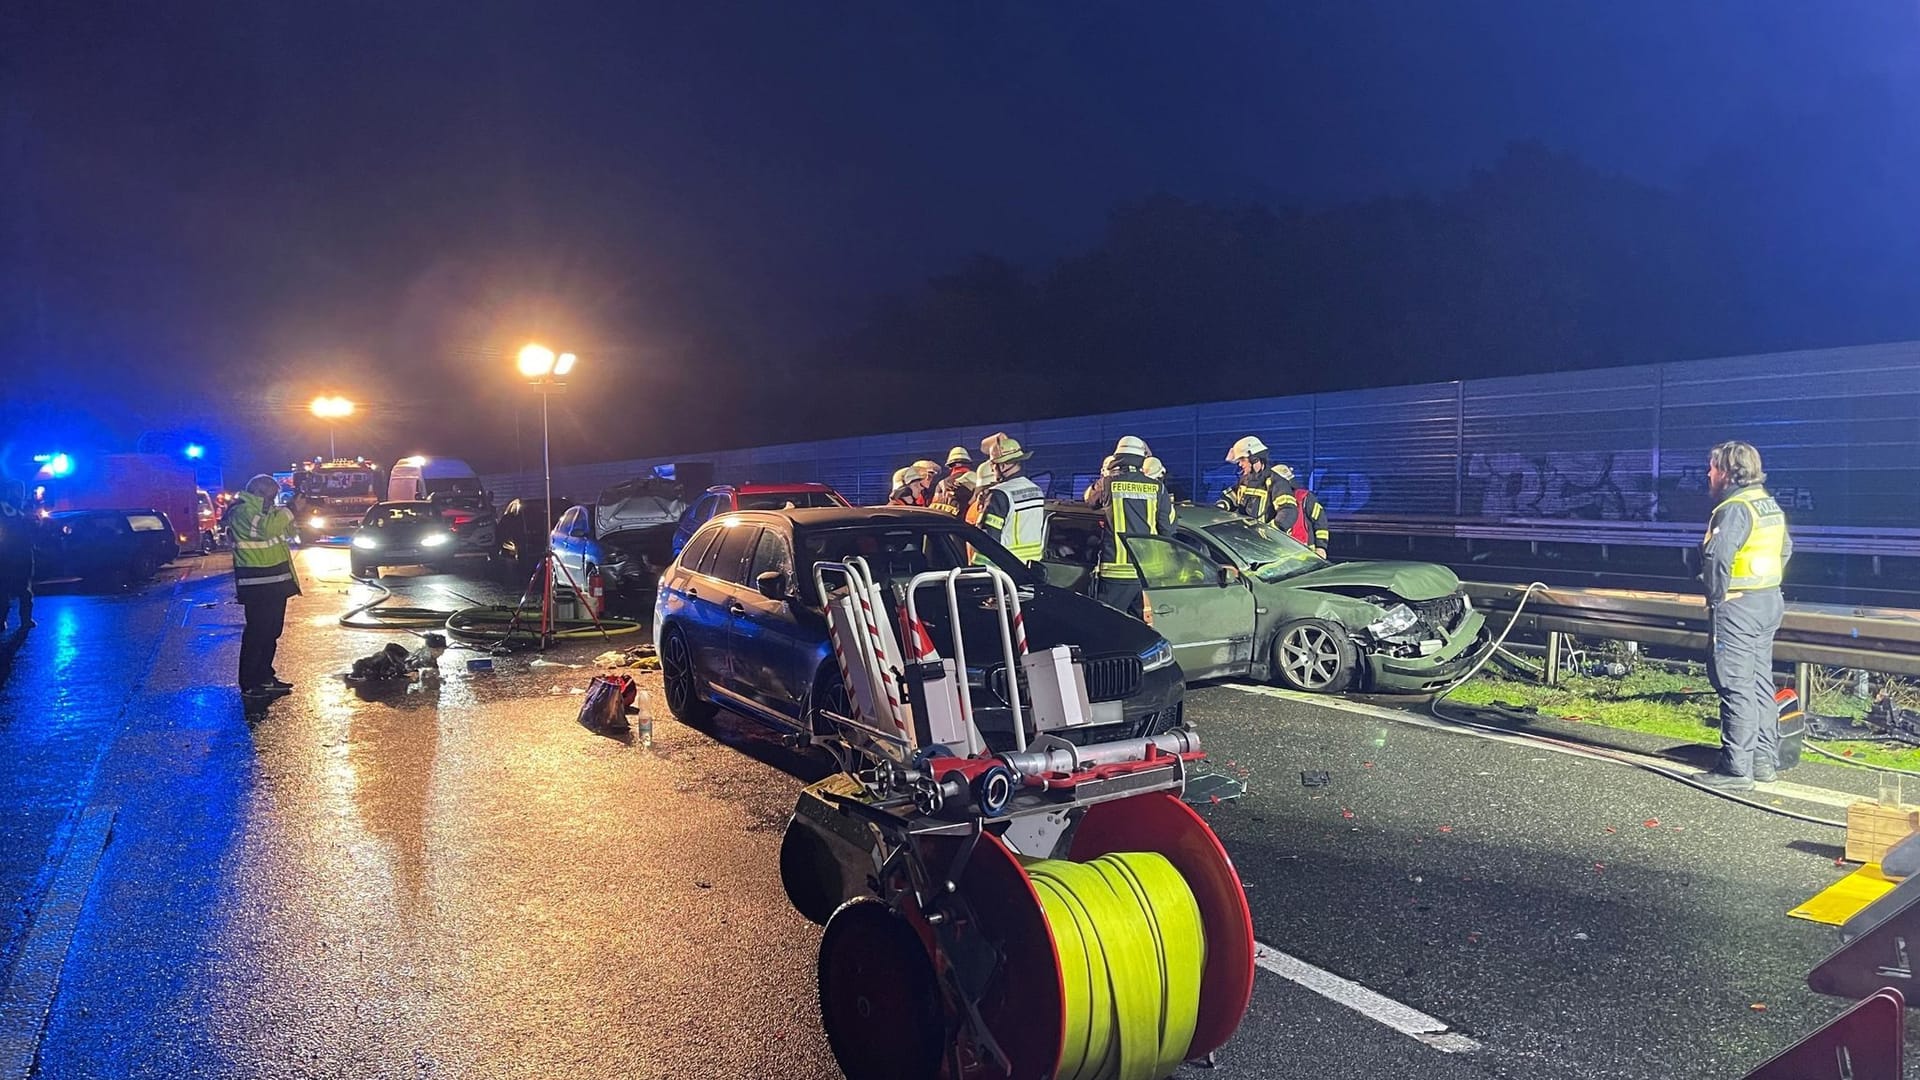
x=460, y=881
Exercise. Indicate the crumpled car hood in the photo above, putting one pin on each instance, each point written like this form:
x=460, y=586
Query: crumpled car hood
x=1408, y=580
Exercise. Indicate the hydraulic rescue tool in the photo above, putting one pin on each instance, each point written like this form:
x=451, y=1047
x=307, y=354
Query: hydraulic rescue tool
x=1024, y=903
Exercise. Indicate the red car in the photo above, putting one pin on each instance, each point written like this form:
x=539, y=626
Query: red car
x=725, y=498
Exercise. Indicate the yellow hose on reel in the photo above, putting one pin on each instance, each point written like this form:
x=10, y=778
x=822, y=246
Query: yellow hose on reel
x=1131, y=948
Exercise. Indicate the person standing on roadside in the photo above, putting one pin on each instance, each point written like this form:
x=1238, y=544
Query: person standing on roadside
x=17, y=530
x=1743, y=560
x=263, y=580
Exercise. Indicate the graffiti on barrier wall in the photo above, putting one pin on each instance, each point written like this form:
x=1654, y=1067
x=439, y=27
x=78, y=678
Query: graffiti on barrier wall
x=1590, y=486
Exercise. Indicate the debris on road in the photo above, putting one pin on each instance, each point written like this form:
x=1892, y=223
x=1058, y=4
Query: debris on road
x=642, y=657
x=1315, y=778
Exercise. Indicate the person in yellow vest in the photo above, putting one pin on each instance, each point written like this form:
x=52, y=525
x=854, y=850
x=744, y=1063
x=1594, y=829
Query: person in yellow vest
x=1743, y=558
x=1008, y=505
x=1136, y=505
x=264, y=581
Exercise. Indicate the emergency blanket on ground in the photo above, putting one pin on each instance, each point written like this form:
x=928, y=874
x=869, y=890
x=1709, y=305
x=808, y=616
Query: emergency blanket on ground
x=1847, y=897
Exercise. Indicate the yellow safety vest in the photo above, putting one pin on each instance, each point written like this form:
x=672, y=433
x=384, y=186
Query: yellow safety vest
x=261, y=555
x=1133, y=509
x=1758, y=564
x=1023, y=530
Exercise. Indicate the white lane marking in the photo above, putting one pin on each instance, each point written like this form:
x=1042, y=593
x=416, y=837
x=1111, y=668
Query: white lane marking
x=1404, y=1019
x=27, y=999
x=1796, y=792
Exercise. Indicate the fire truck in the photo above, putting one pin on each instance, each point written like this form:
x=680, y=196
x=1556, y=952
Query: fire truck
x=330, y=497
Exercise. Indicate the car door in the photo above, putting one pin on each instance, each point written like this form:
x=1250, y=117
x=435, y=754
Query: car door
x=713, y=595
x=772, y=652
x=1071, y=551
x=696, y=516
x=565, y=543
x=1204, y=611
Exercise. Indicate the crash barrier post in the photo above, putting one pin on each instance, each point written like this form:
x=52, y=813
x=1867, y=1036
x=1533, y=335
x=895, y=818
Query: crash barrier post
x=1867, y=1042
x=1098, y=929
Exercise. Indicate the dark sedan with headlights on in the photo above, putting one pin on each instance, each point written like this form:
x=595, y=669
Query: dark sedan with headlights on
x=414, y=533
x=740, y=626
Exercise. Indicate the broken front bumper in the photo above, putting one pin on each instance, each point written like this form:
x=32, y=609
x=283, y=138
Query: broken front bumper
x=1419, y=674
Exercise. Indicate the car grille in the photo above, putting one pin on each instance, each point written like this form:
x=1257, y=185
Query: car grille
x=1109, y=678
x=1444, y=613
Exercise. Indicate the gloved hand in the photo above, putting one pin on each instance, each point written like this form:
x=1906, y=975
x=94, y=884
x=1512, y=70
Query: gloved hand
x=1224, y=503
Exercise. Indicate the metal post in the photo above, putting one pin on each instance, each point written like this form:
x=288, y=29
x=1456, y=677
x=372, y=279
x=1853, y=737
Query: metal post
x=546, y=467
x=1553, y=658
x=333, y=452
x=1803, y=684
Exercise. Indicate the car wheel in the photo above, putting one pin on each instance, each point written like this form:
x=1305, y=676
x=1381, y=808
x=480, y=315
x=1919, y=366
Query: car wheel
x=142, y=568
x=441, y=567
x=1313, y=655
x=682, y=684
x=829, y=695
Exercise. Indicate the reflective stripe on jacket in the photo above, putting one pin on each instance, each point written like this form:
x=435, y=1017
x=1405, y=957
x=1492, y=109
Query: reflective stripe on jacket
x=1259, y=496
x=1135, y=505
x=1308, y=520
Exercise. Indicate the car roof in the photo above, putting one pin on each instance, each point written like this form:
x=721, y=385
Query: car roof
x=770, y=489
x=406, y=502
x=842, y=517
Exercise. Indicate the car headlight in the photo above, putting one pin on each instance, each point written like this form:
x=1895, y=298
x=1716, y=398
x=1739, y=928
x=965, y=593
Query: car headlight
x=434, y=539
x=363, y=541
x=316, y=522
x=1157, y=657
x=1397, y=619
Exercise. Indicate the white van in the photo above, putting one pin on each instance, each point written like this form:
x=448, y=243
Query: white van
x=418, y=477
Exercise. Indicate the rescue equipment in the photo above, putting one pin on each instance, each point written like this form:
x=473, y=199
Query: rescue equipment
x=1001, y=901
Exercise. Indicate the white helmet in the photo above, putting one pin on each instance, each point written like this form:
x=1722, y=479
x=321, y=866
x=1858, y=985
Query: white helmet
x=1285, y=471
x=925, y=467
x=1251, y=446
x=1131, y=446
x=1001, y=448
x=900, y=477
x=1109, y=465
x=1154, y=468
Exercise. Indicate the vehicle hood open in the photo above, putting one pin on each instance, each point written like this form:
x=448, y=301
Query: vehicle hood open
x=637, y=504
x=1407, y=580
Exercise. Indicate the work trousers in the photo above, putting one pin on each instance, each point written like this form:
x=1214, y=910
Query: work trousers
x=1740, y=666
x=266, y=617
x=16, y=587
x=1126, y=593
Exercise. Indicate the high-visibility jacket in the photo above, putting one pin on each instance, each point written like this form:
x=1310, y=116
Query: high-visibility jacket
x=1136, y=505
x=954, y=493
x=1760, y=562
x=1014, y=511
x=1305, y=519
x=262, y=559
x=1260, y=496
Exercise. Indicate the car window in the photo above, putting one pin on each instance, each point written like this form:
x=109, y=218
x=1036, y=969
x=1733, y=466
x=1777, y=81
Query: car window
x=780, y=500
x=734, y=552
x=706, y=563
x=898, y=552
x=1169, y=565
x=771, y=554
x=146, y=523
x=697, y=549
x=1073, y=538
x=1264, y=551
x=705, y=508
x=582, y=522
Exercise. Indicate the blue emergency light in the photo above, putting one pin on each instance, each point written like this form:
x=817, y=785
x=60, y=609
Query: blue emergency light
x=56, y=465
x=196, y=451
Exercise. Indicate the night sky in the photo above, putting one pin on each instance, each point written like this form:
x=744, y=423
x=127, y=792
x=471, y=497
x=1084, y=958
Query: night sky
x=214, y=212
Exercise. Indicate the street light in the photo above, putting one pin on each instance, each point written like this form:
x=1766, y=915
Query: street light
x=332, y=409
x=546, y=373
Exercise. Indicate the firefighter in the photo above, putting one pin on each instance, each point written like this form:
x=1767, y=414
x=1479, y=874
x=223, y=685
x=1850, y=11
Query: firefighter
x=954, y=493
x=264, y=581
x=1008, y=505
x=1136, y=505
x=18, y=527
x=1304, y=518
x=913, y=485
x=1743, y=559
x=1261, y=493
x=1106, y=470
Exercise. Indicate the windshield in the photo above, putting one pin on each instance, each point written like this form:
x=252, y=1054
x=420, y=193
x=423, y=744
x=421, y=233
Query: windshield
x=899, y=552
x=406, y=512
x=449, y=485
x=1264, y=551
x=780, y=500
x=334, y=483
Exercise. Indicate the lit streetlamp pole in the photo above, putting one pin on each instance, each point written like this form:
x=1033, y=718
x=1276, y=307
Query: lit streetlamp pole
x=332, y=410
x=546, y=373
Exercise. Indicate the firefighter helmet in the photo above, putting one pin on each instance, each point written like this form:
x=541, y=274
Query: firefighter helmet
x=1001, y=448
x=1285, y=471
x=1109, y=465
x=1249, y=447
x=1131, y=446
x=925, y=467
x=959, y=456
x=1154, y=468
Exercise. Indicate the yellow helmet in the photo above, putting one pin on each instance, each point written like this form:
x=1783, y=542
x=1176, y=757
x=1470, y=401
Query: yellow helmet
x=959, y=456
x=1003, y=449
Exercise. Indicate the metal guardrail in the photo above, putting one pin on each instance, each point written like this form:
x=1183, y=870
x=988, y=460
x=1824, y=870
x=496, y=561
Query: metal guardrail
x=1810, y=539
x=1885, y=640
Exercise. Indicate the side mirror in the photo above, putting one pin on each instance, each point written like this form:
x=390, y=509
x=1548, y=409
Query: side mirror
x=772, y=585
x=1229, y=575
